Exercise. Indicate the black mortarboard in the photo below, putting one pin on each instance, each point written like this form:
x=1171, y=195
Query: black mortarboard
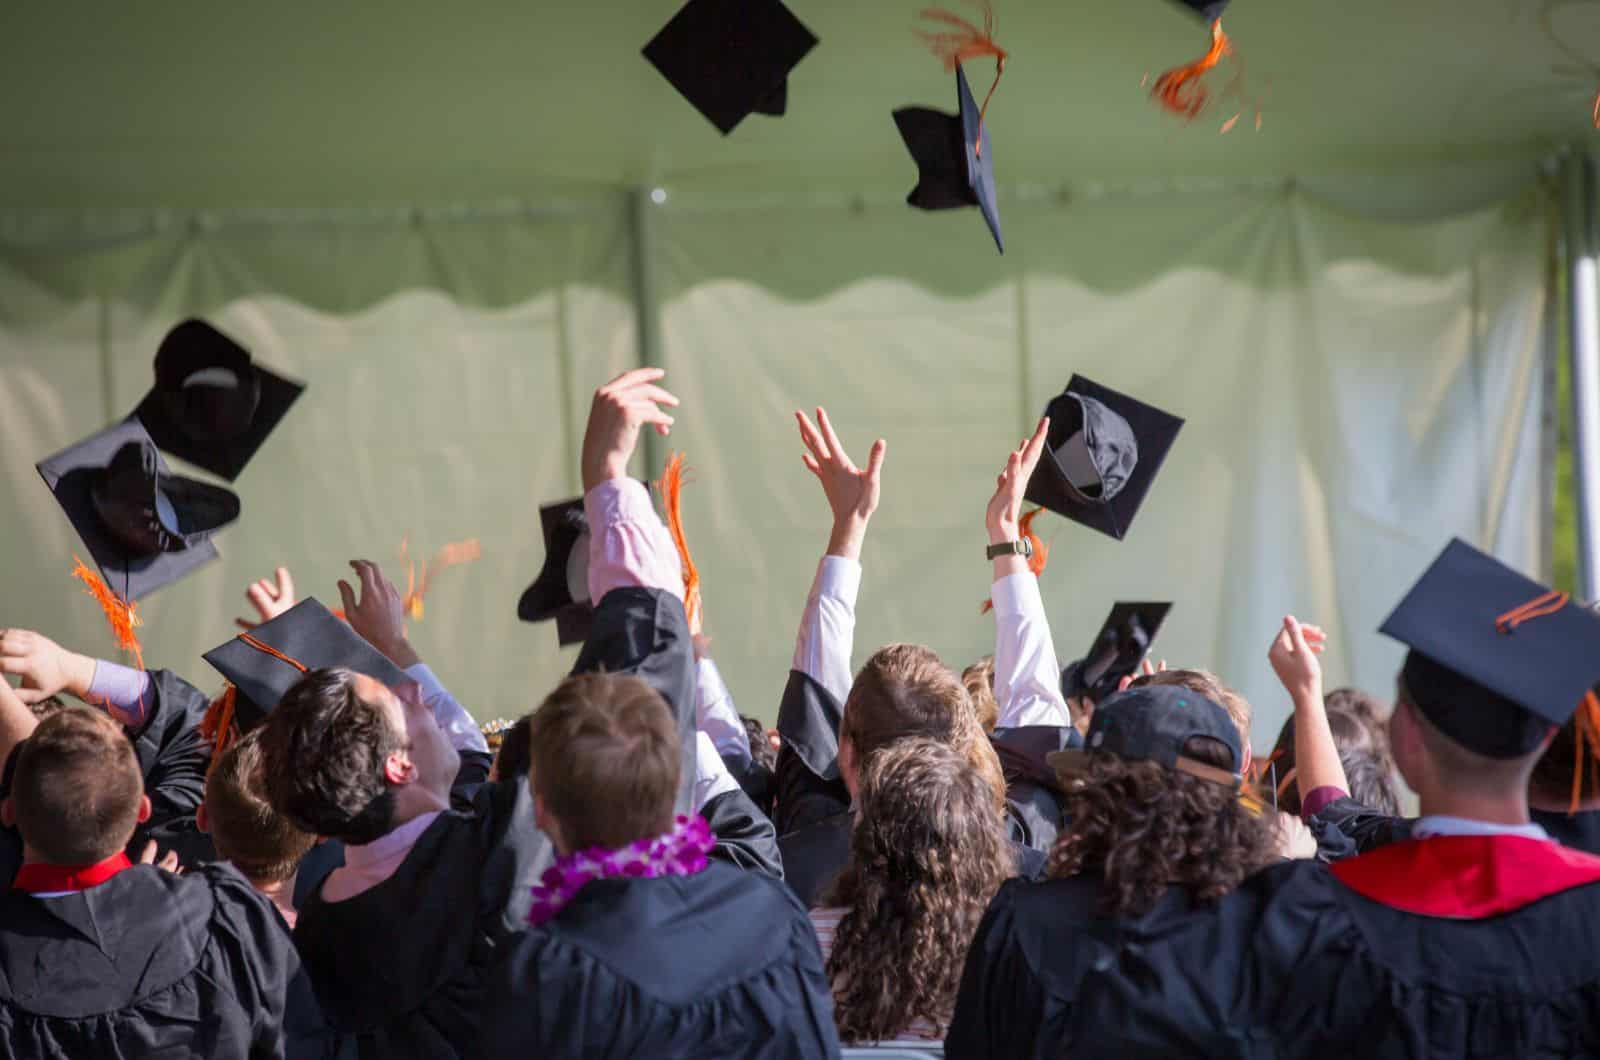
x=1117, y=651
x=1496, y=658
x=1102, y=454
x=211, y=405
x=561, y=591
x=731, y=58
x=306, y=637
x=1151, y=724
x=953, y=170
x=144, y=526
x=1210, y=10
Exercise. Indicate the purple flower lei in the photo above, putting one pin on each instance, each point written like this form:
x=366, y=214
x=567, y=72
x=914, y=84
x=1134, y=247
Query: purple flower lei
x=680, y=852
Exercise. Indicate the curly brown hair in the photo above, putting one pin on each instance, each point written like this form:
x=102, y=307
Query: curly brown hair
x=1145, y=827
x=928, y=852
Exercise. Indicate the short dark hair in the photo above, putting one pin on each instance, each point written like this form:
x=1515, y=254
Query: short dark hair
x=606, y=760
x=323, y=752
x=1355, y=720
x=761, y=750
x=76, y=787
x=261, y=843
x=515, y=756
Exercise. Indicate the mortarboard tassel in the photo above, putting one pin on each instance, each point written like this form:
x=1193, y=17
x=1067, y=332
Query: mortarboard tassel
x=966, y=42
x=1036, y=562
x=122, y=614
x=671, y=486
x=1586, y=745
x=216, y=727
x=1597, y=109
x=417, y=587
x=1180, y=91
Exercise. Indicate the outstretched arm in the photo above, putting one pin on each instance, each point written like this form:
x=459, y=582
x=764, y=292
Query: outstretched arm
x=1318, y=770
x=1027, y=678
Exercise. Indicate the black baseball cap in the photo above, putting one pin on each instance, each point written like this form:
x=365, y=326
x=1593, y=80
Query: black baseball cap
x=561, y=591
x=731, y=58
x=954, y=156
x=1151, y=724
x=264, y=663
x=1102, y=455
x=1118, y=649
x=144, y=526
x=1496, y=658
x=212, y=406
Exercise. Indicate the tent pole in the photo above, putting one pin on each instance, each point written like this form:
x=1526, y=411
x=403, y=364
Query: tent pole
x=646, y=309
x=1583, y=290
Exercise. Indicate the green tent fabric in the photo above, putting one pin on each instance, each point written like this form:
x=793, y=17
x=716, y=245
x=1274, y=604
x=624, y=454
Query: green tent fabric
x=442, y=220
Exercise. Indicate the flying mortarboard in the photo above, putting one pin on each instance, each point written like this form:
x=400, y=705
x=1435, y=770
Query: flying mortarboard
x=1118, y=649
x=1101, y=456
x=144, y=526
x=731, y=58
x=1210, y=10
x=211, y=405
x=1496, y=658
x=561, y=591
x=955, y=159
x=270, y=659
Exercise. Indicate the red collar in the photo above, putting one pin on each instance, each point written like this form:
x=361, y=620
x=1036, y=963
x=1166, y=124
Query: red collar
x=47, y=879
x=1466, y=877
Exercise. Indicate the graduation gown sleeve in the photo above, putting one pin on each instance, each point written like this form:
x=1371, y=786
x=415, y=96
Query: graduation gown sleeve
x=745, y=836
x=807, y=782
x=1360, y=826
x=173, y=756
x=1033, y=795
x=260, y=960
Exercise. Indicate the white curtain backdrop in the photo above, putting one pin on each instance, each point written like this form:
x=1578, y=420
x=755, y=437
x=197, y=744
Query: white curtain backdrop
x=1357, y=391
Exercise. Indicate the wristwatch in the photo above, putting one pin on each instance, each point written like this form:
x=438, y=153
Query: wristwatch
x=1023, y=548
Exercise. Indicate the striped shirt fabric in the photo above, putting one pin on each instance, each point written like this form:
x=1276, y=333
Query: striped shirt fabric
x=826, y=923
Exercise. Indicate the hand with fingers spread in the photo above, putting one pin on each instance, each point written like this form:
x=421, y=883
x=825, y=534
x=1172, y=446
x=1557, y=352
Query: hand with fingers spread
x=851, y=491
x=45, y=667
x=619, y=410
x=1005, y=507
x=1294, y=659
x=379, y=615
x=269, y=598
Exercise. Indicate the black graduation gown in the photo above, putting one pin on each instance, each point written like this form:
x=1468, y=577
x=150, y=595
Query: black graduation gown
x=1449, y=946
x=1369, y=829
x=720, y=964
x=1580, y=831
x=173, y=756
x=146, y=964
x=400, y=969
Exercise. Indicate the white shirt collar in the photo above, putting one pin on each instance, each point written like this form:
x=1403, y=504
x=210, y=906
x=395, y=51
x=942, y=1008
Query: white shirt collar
x=1441, y=824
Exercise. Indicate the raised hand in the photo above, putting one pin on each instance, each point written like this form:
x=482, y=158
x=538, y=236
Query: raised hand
x=269, y=598
x=1005, y=507
x=45, y=667
x=379, y=615
x=168, y=863
x=619, y=410
x=1146, y=669
x=851, y=491
x=1293, y=656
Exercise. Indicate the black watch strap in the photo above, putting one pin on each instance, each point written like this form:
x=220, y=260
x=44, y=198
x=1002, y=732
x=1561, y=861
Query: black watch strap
x=1021, y=548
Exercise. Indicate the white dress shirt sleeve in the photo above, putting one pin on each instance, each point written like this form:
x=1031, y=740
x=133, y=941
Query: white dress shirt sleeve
x=711, y=773
x=828, y=626
x=464, y=733
x=716, y=716
x=1027, y=679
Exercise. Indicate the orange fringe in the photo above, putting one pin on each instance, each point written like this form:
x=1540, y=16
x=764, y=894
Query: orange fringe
x=964, y=43
x=217, y=726
x=1586, y=746
x=1180, y=91
x=1037, y=561
x=1539, y=607
x=417, y=586
x=671, y=486
x=123, y=615
x=1597, y=109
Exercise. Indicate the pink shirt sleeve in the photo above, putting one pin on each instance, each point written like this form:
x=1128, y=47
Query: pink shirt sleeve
x=1319, y=798
x=628, y=543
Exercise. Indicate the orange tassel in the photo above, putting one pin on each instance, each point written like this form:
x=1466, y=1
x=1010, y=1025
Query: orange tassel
x=671, y=486
x=1586, y=746
x=1597, y=109
x=964, y=43
x=417, y=586
x=217, y=727
x=122, y=614
x=1037, y=561
x=1180, y=91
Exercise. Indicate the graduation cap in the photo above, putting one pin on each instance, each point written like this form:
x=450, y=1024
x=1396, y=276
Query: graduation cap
x=1210, y=10
x=955, y=160
x=211, y=405
x=731, y=58
x=144, y=526
x=263, y=664
x=1496, y=658
x=1118, y=649
x=561, y=591
x=1101, y=456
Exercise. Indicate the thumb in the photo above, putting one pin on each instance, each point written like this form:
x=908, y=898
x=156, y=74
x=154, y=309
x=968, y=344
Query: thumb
x=880, y=448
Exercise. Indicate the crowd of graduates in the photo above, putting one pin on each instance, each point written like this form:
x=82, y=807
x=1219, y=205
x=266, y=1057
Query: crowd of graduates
x=1002, y=859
